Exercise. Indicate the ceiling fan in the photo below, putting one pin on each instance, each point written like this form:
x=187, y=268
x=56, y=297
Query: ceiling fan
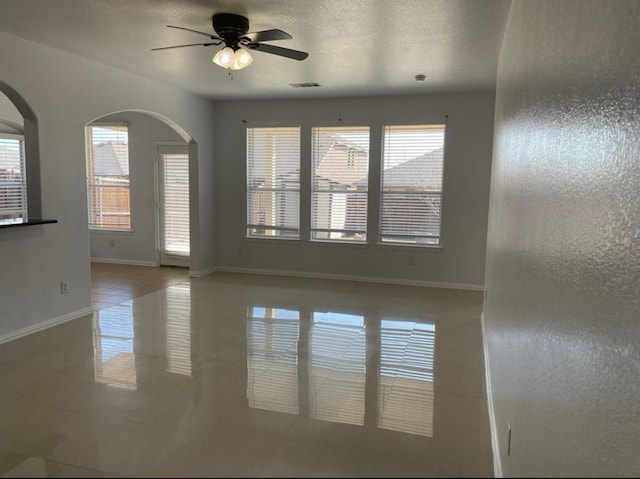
x=233, y=31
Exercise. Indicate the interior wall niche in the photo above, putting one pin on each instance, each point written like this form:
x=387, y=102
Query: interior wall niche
x=17, y=117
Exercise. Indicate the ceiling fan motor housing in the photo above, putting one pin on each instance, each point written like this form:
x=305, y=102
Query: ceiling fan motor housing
x=230, y=27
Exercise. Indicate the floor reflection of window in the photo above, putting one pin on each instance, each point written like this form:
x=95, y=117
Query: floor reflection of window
x=337, y=367
x=405, y=388
x=114, y=361
x=178, y=306
x=272, y=359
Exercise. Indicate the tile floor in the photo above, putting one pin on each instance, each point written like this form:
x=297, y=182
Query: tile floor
x=249, y=376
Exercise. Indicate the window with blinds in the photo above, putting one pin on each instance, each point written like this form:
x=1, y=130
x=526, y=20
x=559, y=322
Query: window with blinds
x=411, y=197
x=13, y=178
x=175, y=202
x=340, y=167
x=273, y=182
x=108, y=177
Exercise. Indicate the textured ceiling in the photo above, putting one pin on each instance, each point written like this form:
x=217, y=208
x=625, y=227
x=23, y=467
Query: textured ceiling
x=356, y=47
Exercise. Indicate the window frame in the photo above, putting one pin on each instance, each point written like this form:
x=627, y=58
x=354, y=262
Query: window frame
x=90, y=184
x=249, y=190
x=351, y=162
x=413, y=244
x=23, y=212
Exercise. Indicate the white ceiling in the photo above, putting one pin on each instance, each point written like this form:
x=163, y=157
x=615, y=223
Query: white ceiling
x=356, y=47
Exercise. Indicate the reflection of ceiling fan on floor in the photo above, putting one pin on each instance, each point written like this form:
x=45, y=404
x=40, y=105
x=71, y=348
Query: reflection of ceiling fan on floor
x=233, y=31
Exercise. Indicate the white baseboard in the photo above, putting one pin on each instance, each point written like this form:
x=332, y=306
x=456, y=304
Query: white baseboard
x=348, y=277
x=495, y=446
x=203, y=272
x=124, y=261
x=34, y=328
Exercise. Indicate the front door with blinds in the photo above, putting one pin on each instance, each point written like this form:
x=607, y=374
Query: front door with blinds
x=173, y=205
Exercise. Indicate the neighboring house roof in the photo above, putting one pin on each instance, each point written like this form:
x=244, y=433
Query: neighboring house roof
x=111, y=159
x=334, y=153
x=426, y=169
x=332, y=166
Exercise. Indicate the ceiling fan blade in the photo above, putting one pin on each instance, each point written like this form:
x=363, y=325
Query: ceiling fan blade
x=267, y=35
x=213, y=37
x=187, y=45
x=283, y=52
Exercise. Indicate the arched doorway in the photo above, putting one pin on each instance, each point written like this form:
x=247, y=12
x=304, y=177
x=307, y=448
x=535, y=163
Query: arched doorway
x=140, y=171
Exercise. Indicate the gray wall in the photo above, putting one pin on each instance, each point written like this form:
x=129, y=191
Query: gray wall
x=139, y=245
x=10, y=117
x=465, y=201
x=563, y=262
x=65, y=93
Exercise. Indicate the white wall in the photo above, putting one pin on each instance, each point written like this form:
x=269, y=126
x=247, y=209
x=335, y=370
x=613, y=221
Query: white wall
x=138, y=245
x=66, y=92
x=563, y=263
x=465, y=200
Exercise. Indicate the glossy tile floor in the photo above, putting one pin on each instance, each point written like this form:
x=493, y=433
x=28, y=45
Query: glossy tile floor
x=251, y=376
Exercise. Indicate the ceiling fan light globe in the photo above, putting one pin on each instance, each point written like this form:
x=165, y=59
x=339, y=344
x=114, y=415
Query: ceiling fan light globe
x=226, y=58
x=243, y=59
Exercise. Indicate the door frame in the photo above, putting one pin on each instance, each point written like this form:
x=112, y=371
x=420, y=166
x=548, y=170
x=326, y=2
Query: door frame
x=161, y=258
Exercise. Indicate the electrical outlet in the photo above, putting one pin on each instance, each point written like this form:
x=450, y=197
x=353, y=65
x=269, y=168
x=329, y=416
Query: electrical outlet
x=112, y=243
x=508, y=438
x=64, y=289
x=410, y=261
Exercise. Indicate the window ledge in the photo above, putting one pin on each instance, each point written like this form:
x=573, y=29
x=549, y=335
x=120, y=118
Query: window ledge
x=339, y=244
x=110, y=232
x=276, y=239
x=396, y=246
x=5, y=224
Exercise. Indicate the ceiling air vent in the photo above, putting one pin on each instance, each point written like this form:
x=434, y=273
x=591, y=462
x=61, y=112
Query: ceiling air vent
x=304, y=85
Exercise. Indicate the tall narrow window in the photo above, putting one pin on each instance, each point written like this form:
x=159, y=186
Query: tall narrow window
x=340, y=167
x=173, y=195
x=13, y=181
x=273, y=182
x=412, y=167
x=108, y=177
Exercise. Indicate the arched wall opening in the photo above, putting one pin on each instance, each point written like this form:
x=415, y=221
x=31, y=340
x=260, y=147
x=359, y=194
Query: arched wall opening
x=147, y=132
x=26, y=126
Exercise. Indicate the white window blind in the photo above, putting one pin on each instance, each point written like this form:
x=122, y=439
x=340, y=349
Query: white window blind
x=108, y=177
x=412, y=167
x=13, y=178
x=273, y=182
x=340, y=167
x=175, y=211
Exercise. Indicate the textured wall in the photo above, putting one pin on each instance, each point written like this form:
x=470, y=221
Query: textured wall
x=563, y=263
x=467, y=168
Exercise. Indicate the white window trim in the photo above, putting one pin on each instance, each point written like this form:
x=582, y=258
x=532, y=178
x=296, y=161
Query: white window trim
x=396, y=244
x=95, y=229
x=24, y=211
